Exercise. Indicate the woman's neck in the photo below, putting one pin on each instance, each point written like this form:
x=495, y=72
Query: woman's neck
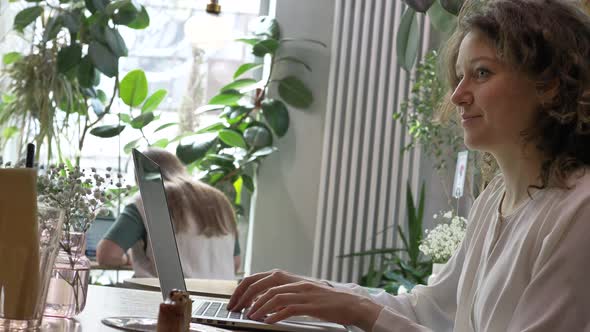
x=520, y=171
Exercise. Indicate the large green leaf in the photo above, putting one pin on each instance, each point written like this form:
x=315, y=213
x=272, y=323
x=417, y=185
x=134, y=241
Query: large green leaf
x=249, y=41
x=408, y=38
x=11, y=57
x=189, y=153
x=131, y=145
x=268, y=46
x=72, y=21
x=142, y=20
x=419, y=5
x=134, y=88
x=103, y=59
x=115, y=42
x=142, y=120
x=452, y=6
x=166, y=125
x=276, y=115
x=441, y=19
x=295, y=93
x=232, y=138
x=26, y=17
x=268, y=26
x=107, y=131
x=246, y=67
x=258, y=137
x=127, y=13
x=86, y=72
x=152, y=103
x=239, y=84
x=212, y=128
x=248, y=182
x=161, y=143
x=68, y=58
x=229, y=98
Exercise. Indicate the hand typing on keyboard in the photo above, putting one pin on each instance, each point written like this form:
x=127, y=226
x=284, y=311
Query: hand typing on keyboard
x=278, y=295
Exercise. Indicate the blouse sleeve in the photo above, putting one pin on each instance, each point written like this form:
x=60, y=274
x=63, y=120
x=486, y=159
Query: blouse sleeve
x=558, y=297
x=425, y=308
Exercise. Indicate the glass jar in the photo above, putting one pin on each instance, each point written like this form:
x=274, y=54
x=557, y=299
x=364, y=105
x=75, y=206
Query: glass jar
x=68, y=286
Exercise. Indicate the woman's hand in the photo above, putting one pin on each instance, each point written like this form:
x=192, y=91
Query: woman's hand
x=285, y=295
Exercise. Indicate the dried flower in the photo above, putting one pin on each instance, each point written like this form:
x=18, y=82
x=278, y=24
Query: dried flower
x=81, y=196
x=442, y=241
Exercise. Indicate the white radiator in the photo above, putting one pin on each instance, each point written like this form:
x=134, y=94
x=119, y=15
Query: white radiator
x=363, y=175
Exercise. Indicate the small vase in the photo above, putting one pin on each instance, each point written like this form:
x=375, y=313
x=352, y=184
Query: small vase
x=68, y=286
x=436, y=268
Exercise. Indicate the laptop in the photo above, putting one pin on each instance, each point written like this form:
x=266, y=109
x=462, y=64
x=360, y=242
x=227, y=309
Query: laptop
x=95, y=233
x=168, y=266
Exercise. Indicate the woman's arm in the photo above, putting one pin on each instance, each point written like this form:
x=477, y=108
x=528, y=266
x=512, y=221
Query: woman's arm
x=123, y=234
x=109, y=253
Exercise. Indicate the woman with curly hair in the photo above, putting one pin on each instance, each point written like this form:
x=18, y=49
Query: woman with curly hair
x=519, y=73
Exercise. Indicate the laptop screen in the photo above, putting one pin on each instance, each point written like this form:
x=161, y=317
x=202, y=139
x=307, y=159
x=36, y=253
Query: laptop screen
x=159, y=224
x=97, y=230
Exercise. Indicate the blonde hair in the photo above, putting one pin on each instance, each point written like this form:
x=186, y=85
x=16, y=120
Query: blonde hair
x=190, y=199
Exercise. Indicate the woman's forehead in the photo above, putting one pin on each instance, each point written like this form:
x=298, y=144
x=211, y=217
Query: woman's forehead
x=476, y=45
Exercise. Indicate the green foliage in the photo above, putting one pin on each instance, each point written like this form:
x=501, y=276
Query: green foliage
x=228, y=152
x=73, y=43
x=418, y=114
x=390, y=268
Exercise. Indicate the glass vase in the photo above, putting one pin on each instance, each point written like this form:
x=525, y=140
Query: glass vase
x=68, y=286
x=49, y=227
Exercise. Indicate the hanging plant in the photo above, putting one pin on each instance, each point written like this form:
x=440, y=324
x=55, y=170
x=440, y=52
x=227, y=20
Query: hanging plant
x=73, y=44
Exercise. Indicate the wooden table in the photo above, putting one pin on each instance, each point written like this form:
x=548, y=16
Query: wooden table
x=202, y=287
x=110, y=302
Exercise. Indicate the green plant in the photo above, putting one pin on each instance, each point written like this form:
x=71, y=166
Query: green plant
x=442, y=15
x=53, y=94
x=441, y=140
x=390, y=268
x=252, y=117
x=133, y=91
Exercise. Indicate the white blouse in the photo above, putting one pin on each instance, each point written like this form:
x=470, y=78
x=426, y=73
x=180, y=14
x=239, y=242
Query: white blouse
x=528, y=273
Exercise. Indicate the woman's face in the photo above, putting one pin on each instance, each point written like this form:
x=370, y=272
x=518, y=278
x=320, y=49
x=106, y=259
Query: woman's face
x=495, y=102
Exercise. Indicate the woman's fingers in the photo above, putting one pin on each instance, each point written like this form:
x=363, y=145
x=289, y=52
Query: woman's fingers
x=275, y=303
x=289, y=311
x=272, y=292
x=243, y=287
x=250, y=287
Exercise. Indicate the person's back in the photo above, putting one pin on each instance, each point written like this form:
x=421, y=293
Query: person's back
x=204, y=224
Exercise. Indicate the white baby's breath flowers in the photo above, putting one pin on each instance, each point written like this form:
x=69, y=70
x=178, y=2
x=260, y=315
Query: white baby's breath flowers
x=80, y=193
x=442, y=241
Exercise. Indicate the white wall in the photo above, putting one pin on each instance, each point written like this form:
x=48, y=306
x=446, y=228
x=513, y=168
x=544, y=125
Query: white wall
x=283, y=227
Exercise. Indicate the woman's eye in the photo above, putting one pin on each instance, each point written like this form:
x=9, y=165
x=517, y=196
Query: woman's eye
x=482, y=73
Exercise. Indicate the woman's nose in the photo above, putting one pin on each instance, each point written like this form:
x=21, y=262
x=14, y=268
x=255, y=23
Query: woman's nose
x=462, y=94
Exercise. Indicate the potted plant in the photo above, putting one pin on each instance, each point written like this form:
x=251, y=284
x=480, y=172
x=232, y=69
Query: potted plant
x=53, y=94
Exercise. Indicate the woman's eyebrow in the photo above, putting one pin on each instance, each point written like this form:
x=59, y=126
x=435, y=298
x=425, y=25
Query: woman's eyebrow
x=479, y=58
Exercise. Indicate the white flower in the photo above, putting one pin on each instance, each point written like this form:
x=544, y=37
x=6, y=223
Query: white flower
x=402, y=290
x=442, y=241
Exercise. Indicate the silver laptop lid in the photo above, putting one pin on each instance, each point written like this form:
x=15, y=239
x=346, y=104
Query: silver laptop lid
x=159, y=224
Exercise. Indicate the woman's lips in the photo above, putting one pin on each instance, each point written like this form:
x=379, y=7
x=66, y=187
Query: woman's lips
x=466, y=119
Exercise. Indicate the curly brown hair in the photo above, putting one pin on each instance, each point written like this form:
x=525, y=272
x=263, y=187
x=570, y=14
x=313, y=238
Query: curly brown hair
x=548, y=40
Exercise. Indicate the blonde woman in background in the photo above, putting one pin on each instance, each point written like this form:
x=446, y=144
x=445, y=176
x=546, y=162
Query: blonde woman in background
x=204, y=224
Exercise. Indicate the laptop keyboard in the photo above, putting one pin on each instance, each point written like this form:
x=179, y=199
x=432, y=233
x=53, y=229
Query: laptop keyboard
x=218, y=310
